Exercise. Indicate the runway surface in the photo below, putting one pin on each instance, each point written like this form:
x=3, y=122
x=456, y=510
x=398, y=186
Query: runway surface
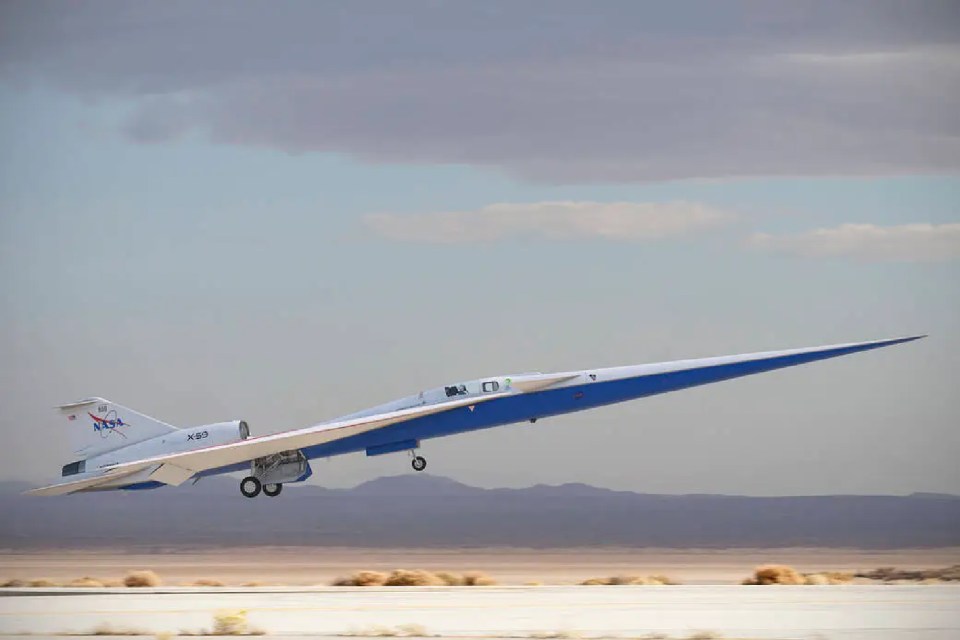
x=852, y=612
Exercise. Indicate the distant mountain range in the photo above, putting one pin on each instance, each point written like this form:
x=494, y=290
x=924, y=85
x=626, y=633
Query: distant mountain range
x=430, y=511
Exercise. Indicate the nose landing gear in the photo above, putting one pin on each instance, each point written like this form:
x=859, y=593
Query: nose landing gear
x=419, y=463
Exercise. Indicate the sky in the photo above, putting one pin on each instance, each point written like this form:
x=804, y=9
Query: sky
x=284, y=212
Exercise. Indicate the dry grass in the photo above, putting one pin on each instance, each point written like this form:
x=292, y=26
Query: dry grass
x=362, y=579
x=36, y=583
x=775, y=574
x=41, y=583
x=228, y=623
x=142, y=578
x=400, y=631
x=415, y=578
x=412, y=578
x=477, y=579
x=630, y=580
x=109, y=630
x=87, y=582
x=205, y=582
x=828, y=577
x=451, y=579
x=783, y=574
x=892, y=574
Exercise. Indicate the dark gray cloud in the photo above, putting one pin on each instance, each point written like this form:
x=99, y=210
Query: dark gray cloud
x=553, y=91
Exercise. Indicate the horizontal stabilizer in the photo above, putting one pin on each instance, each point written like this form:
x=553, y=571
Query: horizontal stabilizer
x=65, y=488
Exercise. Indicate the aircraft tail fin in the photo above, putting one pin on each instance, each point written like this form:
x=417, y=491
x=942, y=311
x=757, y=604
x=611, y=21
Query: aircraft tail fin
x=98, y=426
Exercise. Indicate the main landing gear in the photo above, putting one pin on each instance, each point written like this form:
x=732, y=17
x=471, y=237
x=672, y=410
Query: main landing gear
x=251, y=487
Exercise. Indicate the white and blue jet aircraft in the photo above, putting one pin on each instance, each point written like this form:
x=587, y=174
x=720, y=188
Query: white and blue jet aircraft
x=119, y=448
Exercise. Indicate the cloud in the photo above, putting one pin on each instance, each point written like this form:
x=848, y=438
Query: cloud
x=904, y=243
x=624, y=221
x=542, y=91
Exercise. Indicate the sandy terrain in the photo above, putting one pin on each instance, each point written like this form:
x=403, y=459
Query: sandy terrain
x=319, y=566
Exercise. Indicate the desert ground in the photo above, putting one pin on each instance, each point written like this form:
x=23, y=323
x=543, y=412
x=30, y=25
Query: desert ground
x=703, y=612
x=305, y=566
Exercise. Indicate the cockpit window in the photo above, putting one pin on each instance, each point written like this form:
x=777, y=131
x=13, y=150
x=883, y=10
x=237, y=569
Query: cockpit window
x=490, y=386
x=456, y=390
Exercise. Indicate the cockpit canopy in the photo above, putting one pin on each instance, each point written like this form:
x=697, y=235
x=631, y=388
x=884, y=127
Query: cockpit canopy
x=456, y=390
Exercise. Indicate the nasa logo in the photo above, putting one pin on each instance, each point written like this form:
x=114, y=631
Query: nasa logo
x=110, y=424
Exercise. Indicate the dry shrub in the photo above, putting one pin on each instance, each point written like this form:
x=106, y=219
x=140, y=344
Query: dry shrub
x=379, y=631
x=890, y=574
x=87, y=582
x=415, y=578
x=783, y=574
x=451, y=579
x=412, y=578
x=232, y=623
x=106, y=629
x=412, y=630
x=362, y=579
x=205, y=582
x=255, y=583
x=775, y=574
x=41, y=582
x=477, y=579
x=142, y=578
x=830, y=577
x=630, y=580
x=37, y=582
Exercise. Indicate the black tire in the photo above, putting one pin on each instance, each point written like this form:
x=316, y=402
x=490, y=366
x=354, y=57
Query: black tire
x=272, y=490
x=250, y=487
x=419, y=463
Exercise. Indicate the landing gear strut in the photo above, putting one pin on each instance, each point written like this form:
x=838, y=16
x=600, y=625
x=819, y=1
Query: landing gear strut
x=250, y=487
x=419, y=463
